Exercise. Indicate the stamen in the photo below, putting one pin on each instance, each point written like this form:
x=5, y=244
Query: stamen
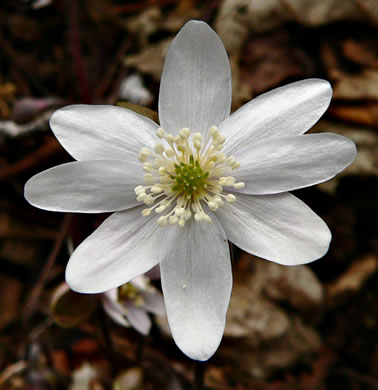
x=185, y=175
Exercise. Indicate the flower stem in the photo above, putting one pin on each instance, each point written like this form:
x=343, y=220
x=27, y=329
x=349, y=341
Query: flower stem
x=199, y=375
x=140, y=348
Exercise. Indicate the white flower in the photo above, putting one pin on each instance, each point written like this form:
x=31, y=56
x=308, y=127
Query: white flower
x=129, y=304
x=240, y=168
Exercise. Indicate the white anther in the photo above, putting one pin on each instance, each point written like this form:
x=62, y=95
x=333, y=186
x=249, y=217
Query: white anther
x=197, y=217
x=220, y=203
x=147, y=166
x=160, y=132
x=179, y=211
x=148, y=178
x=231, y=160
x=170, y=138
x=239, y=185
x=165, y=179
x=139, y=189
x=235, y=165
x=169, y=192
x=187, y=215
x=141, y=197
x=197, y=145
x=207, y=219
x=142, y=157
x=179, y=140
x=213, y=157
x=162, y=170
x=159, y=161
x=181, y=222
x=213, y=131
x=221, y=140
x=146, y=212
x=185, y=132
x=162, y=221
x=169, y=153
x=159, y=149
x=156, y=189
x=221, y=158
x=148, y=200
x=231, y=198
x=226, y=181
x=212, y=206
x=197, y=137
x=217, y=188
x=160, y=209
x=173, y=220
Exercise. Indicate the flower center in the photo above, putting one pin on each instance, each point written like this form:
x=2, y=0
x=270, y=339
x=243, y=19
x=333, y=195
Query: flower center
x=185, y=176
x=128, y=292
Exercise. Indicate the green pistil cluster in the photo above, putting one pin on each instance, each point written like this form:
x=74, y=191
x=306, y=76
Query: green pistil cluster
x=127, y=291
x=189, y=179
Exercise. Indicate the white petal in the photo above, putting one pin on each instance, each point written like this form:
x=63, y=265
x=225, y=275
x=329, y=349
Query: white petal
x=285, y=164
x=289, y=110
x=280, y=228
x=195, y=88
x=113, y=308
x=196, y=279
x=138, y=318
x=90, y=132
x=153, y=302
x=86, y=186
x=125, y=246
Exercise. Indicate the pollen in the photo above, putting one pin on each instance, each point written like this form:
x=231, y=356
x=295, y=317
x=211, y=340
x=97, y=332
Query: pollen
x=186, y=177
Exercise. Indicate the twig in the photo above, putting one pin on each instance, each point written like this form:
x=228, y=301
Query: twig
x=45, y=235
x=43, y=153
x=73, y=16
x=11, y=128
x=22, y=70
x=32, y=299
x=29, y=214
x=199, y=375
x=140, y=348
x=358, y=376
x=112, y=70
x=126, y=8
x=104, y=334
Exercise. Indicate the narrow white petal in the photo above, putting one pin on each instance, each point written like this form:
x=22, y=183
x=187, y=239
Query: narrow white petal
x=86, y=186
x=113, y=308
x=125, y=246
x=90, y=132
x=153, y=302
x=284, y=164
x=138, y=318
x=289, y=110
x=195, y=88
x=280, y=228
x=196, y=279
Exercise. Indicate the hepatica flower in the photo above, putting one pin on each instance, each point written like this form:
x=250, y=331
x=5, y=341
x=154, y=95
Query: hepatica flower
x=180, y=190
x=128, y=305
